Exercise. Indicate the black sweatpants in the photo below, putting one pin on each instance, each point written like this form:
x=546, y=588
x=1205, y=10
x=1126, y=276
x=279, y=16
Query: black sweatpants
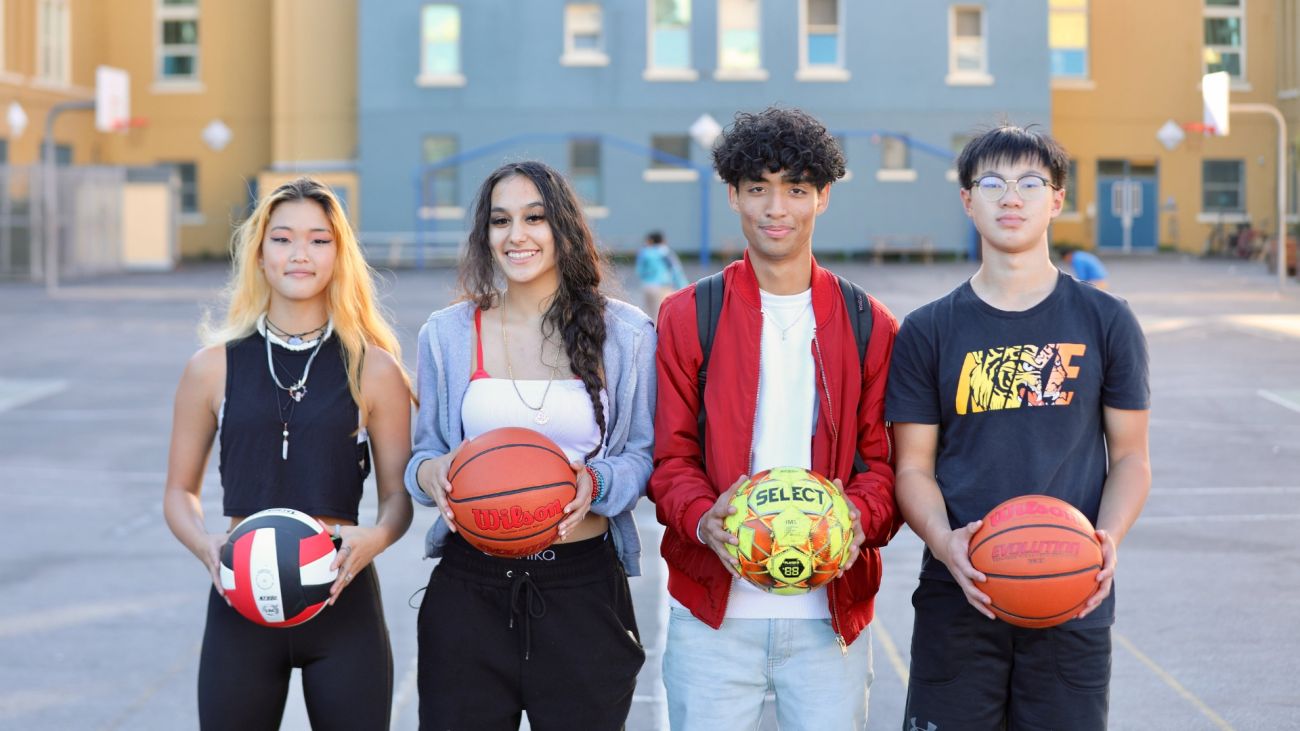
x=556, y=638
x=344, y=654
x=972, y=672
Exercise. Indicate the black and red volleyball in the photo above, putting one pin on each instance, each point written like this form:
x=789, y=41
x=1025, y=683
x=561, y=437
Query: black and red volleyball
x=275, y=567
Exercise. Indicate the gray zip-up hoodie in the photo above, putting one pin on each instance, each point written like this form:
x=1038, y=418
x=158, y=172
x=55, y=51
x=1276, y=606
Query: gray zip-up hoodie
x=444, y=361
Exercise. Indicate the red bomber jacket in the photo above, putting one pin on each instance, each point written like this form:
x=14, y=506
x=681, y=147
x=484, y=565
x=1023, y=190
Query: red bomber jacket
x=850, y=423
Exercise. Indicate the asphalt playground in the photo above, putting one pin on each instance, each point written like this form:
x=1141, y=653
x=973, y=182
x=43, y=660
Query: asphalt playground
x=101, y=610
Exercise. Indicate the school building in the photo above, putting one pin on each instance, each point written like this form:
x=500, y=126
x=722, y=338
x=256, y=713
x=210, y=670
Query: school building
x=626, y=96
x=1123, y=71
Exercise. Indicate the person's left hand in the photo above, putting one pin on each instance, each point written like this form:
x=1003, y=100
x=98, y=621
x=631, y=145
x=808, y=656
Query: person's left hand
x=1105, y=577
x=358, y=548
x=859, y=536
x=577, y=510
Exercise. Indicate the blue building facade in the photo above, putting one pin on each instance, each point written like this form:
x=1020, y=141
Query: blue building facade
x=450, y=90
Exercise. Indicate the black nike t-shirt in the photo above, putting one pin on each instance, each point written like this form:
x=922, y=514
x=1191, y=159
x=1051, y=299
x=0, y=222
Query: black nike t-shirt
x=1018, y=398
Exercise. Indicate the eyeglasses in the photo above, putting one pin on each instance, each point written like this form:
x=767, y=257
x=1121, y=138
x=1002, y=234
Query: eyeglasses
x=1029, y=187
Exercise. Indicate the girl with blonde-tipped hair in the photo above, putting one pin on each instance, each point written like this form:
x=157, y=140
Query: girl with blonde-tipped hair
x=299, y=386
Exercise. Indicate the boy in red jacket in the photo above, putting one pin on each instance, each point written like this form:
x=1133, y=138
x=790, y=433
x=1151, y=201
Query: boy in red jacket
x=785, y=387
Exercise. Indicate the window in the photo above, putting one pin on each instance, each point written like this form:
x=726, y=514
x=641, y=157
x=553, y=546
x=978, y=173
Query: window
x=895, y=160
x=1068, y=38
x=178, y=40
x=967, y=51
x=4, y=152
x=670, y=41
x=1223, y=186
x=663, y=171
x=584, y=37
x=440, y=189
x=584, y=170
x=821, y=41
x=53, y=51
x=187, y=173
x=739, y=46
x=1225, y=30
x=959, y=142
x=440, y=46
x=1071, y=204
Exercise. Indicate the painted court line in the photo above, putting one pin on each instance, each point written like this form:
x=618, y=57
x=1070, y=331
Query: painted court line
x=15, y=392
x=1173, y=683
x=891, y=649
x=1280, y=400
x=52, y=619
x=1247, y=518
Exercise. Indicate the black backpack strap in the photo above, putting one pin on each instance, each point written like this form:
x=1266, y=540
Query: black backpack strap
x=860, y=317
x=708, y=308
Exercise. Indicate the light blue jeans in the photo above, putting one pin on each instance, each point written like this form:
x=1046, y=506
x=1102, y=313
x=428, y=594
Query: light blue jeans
x=716, y=679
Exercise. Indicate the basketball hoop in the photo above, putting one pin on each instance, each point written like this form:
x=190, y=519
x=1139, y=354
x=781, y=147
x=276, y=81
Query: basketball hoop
x=122, y=126
x=1205, y=129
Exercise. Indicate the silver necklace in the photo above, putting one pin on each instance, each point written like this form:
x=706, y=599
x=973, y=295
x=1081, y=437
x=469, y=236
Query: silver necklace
x=539, y=416
x=294, y=338
x=785, y=329
x=297, y=390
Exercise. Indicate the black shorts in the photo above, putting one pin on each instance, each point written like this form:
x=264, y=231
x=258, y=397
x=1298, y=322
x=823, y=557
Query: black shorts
x=972, y=672
x=344, y=654
x=556, y=638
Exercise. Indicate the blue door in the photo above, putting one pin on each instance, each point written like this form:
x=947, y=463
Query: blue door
x=1126, y=212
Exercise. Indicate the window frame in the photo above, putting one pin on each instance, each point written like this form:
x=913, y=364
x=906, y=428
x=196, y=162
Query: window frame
x=53, y=60
x=968, y=77
x=574, y=56
x=657, y=171
x=661, y=73
x=1240, y=187
x=440, y=211
x=905, y=174
x=597, y=206
x=424, y=77
x=1220, y=12
x=723, y=73
x=1086, y=76
x=837, y=72
x=163, y=14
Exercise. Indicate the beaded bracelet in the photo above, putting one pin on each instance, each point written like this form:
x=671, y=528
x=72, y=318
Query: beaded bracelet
x=597, y=484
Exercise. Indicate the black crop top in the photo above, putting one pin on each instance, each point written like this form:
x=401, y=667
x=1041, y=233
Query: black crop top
x=326, y=463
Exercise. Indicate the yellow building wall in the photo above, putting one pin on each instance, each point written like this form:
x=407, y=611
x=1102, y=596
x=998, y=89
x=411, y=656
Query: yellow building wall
x=1145, y=69
x=233, y=86
x=315, y=102
x=19, y=83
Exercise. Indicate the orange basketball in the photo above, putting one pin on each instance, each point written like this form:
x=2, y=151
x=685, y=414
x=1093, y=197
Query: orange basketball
x=1041, y=557
x=509, y=487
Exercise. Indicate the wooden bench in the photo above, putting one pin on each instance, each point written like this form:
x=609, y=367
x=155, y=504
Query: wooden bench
x=902, y=246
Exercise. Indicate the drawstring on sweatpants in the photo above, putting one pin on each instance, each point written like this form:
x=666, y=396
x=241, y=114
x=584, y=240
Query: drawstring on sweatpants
x=533, y=604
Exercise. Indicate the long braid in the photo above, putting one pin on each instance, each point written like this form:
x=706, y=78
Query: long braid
x=582, y=327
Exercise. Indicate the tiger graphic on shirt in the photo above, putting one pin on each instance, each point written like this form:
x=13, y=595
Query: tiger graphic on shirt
x=1012, y=376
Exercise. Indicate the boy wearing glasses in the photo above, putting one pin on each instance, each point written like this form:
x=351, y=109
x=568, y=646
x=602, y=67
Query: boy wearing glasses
x=1022, y=380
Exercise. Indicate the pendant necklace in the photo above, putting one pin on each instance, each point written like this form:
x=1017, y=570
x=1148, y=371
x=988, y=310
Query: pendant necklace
x=294, y=339
x=785, y=329
x=539, y=417
x=297, y=390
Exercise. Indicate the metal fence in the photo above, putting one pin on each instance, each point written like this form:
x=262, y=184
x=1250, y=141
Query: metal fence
x=88, y=218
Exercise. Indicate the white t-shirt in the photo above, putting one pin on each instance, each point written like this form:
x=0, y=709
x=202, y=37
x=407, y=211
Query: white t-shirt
x=787, y=414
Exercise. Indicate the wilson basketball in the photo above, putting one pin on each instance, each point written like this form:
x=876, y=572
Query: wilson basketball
x=1041, y=557
x=509, y=487
x=275, y=567
x=794, y=530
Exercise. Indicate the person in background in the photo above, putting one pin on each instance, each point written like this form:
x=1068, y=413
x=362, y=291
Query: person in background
x=1087, y=267
x=660, y=272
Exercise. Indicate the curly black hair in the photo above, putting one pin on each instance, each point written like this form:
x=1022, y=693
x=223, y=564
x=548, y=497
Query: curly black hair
x=778, y=139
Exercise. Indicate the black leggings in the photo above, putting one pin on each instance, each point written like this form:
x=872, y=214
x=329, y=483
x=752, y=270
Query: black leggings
x=555, y=638
x=344, y=653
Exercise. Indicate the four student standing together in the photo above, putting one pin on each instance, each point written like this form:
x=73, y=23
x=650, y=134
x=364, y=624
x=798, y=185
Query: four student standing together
x=1021, y=380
